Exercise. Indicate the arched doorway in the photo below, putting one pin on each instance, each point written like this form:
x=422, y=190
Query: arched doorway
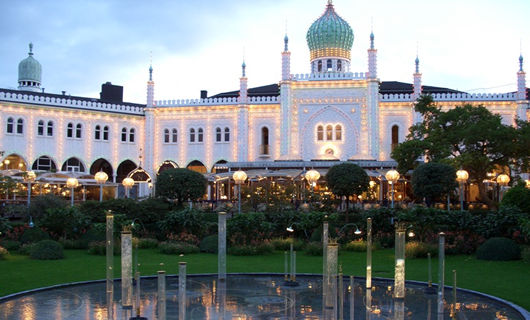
x=218, y=168
x=102, y=165
x=143, y=183
x=168, y=164
x=13, y=161
x=124, y=169
x=197, y=166
x=44, y=163
x=73, y=165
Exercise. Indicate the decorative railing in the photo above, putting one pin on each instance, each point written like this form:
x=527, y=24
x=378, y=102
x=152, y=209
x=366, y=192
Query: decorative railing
x=215, y=101
x=70, y=102
x=453, y=97
x=329, y=76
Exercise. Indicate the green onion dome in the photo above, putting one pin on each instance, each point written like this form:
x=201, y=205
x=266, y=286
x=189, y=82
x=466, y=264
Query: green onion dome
x=330, y=36
x=29, y=69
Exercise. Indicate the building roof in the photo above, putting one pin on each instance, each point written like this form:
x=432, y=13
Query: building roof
x=385, y=87
x=64, y=96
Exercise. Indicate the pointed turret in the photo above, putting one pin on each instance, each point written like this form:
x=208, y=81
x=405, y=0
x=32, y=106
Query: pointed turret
x=521, y=80
x=286, y=60
x=372, y=58
x=417, y=78
x=29, y=73
x=150, y=89
x=243, y=84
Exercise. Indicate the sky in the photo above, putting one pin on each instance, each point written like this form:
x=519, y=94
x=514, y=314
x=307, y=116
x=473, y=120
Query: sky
x=468, y=45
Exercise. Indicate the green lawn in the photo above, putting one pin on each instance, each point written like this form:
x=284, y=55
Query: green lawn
x=509, y=280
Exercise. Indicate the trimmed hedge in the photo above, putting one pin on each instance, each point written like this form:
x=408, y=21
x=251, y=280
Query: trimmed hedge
x=168, y=247
x=47, y=250
x=32, y=235
x=209, y=244
x=415, y=249
x=99, y=248
x=251, y=250
x=499, y=249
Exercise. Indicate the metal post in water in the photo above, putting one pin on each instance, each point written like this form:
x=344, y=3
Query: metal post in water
x=399, y=273
x=399, y=309
x=221, y=255
x=286, y=266
x=368, y=304
x=291, y=250
x=441, y=272
x=429, y=289
x=110, y=263
x=454, y=293
x=294, y=267
x=182, y=290
x=369, y=253
x=126, y=269
x=341, y=294
x=352, y=296
x=330, y=308
x=325, y=228
x=137, y=280
x=161, y=297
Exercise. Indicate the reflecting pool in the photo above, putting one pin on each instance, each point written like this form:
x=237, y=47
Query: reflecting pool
x=252, y=296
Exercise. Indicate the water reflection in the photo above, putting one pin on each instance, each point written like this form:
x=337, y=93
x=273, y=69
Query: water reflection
x=249, y=297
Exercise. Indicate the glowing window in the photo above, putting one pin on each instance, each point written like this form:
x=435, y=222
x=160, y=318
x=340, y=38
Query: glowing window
x=320, y=133
x=338, y=132
x=329, y=132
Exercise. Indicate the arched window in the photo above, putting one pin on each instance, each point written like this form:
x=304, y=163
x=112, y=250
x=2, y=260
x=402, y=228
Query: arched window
x=49, y=129
x=20, y=126
x=217, y=134
x=320, y=133
x=395, y=136
x=319, y=65
x=329, y=132
x=264, y=148
x=44, y=163
x=10, y=122
x=339, y=65
x=70, y=130
x=192, y=135
x=78, y=131
x=40, y=128
x=131, y=135
x=338, y=132
x=166, y=135
x=199, y=135
x=174, y=136
x=73, y=165
x=123, y=134
x=227, y=134
x=329, y=65
x=106, y=133
x=97, y=132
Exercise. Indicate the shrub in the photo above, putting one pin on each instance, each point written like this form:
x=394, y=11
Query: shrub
x=147, y=243
x=245, y=229
x=499, y=249
x=251, y=250
x=64, y=222
x=15, y=211
x=25, y=249
x=180, y=184
x=169, y=247
x=285, y=244
x=40, y=204
x=192, y=222
x=183, y=237
x=518, y=196
x=356, y=246
x=10, y=245
x=209, y=244
x=32, y=235
x=99, y=248
x=313, y=249
x=416, y=249
x=47, y=250
x=3, y=253
x=4, y=225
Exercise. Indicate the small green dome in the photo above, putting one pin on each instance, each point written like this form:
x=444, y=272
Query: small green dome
x=29, y=69
x=330, y=36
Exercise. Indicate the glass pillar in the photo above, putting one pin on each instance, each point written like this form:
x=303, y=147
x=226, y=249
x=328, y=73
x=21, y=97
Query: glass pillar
x=161, y=296
x=441, y=272
x=399, y=273
x=369, y=253
x=126, y=269
x=182, y=290
x=221, y=265
x=330, y=307
x=110, y=263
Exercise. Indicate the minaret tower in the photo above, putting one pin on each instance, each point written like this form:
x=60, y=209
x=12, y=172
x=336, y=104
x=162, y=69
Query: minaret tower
x=417, y=79
x=372, y=132
x=29, y=73
x=522, y=101
x=372, y=58
x=242, y=117
x=286, y=116
x=150, y=130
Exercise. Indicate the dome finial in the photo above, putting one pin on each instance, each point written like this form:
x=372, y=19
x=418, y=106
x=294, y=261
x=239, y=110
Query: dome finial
x=286, y=43
x=330, y=2
x=30, y=49
x=243, y=68
x=151, y=66
x=521, y=62
x=417, y=61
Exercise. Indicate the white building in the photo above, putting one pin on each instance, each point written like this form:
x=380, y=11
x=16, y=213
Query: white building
x=336, y=112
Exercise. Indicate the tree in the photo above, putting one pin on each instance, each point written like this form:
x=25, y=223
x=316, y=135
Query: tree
x=181, y=185
x=468, y=137
x=347, y=179
x=432, y=180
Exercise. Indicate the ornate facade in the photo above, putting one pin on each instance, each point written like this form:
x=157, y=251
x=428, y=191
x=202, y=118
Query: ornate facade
x=332, y=113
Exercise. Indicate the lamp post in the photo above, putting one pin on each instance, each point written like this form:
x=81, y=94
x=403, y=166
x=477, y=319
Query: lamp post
x=239, y=177
x=461, y=177
x=101, y=177
x=392, y=176
x=502, y=180
x=29, y=177
x=127, y=183
x=72, y=183
x=312, y=177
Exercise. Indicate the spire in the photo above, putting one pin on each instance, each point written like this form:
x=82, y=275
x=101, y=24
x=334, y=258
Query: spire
x=243, y=67
x=150, y=72
x=30, y=49
x=330, y=2
x=372, y=40
x=286, y=43
x=417, y=62
x=521, y=62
